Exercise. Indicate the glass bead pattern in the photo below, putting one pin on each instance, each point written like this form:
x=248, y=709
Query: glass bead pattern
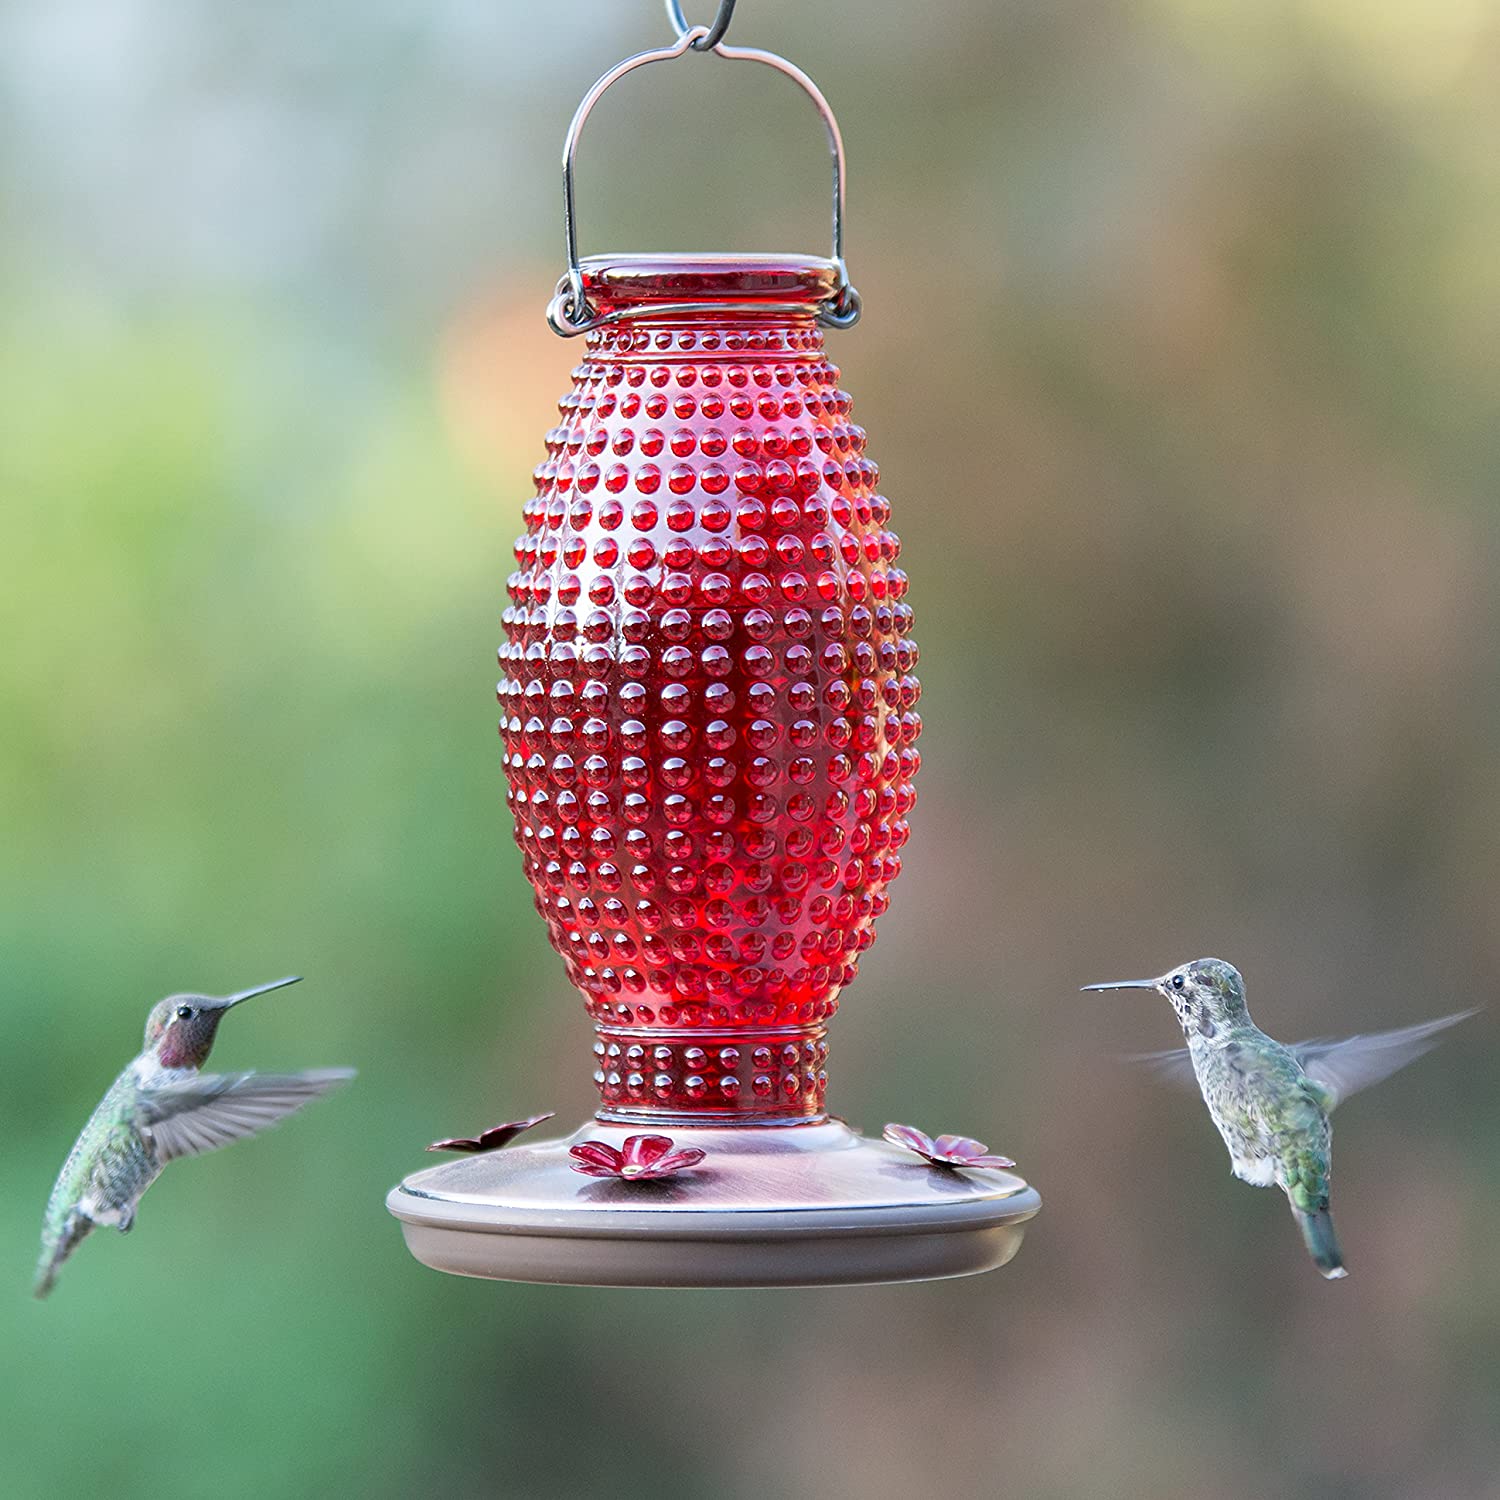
x=708, y=707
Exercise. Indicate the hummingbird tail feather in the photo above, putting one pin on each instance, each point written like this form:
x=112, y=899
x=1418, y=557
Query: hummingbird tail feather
x=75, y=1231
x=1321, y=1241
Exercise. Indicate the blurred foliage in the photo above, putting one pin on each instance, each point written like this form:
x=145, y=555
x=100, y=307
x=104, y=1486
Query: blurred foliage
x=1180, y=361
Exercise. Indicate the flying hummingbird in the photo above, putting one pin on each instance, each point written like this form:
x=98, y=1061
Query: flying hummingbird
x=1271, y=1103
x=161, y=1107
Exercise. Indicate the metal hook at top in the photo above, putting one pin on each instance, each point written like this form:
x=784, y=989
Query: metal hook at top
x=569, y=312
x=708, y=37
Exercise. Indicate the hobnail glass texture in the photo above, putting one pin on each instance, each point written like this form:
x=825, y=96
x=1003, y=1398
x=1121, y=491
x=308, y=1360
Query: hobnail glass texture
x=708, y=701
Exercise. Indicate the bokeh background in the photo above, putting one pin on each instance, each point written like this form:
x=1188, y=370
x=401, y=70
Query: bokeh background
x=1180, y=361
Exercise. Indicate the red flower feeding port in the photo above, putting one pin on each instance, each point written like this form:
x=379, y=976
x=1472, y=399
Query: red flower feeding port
x=945, y=1150
x=641, y=1158
x=709, y=726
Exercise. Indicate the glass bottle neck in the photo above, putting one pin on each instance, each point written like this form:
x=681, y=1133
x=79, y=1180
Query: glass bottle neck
x=775, y=1076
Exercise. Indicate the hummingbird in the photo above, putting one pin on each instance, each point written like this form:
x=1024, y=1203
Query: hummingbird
x=1271, y=1103
x=162, y=1107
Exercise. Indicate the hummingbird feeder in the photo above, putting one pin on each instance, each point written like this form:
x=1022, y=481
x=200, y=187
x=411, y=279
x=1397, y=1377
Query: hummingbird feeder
x=709, y=726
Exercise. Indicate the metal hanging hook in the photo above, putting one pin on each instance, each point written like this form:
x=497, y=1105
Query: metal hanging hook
x=569, y=313
x=711, y=36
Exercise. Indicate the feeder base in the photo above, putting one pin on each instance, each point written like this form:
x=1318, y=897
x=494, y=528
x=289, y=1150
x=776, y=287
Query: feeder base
x=799, y=1205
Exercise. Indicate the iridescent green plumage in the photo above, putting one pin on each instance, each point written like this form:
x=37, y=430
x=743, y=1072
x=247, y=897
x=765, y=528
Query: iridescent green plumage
x=161, y=1107
x=1270, y=1102
x=110, y=1166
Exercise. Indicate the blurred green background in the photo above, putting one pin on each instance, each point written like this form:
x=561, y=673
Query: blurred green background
x=1180, y=361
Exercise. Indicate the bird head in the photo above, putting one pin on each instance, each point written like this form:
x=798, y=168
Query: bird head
x=1207, y=994
x=180, y=1030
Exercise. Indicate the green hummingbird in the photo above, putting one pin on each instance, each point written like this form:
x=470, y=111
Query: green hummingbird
x=162, y=1107
x=1271, y=1103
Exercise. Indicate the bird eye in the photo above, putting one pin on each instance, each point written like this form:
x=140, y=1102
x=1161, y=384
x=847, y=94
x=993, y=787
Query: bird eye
x=1176, y=984
x=184, y=1012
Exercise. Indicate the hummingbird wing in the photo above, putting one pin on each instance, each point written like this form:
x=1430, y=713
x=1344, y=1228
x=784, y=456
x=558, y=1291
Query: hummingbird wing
x=201, y=1114
x=1340, y=1065
x=1345, y=1065
x=1173, y=1066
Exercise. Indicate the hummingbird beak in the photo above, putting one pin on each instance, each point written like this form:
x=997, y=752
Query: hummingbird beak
x=1123, y=984
x=260, y=989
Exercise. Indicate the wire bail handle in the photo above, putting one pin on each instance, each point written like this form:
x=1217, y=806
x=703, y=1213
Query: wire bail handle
x=570, y=313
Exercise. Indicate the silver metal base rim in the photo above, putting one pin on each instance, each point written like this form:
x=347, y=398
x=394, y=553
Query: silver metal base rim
x=817, y=1205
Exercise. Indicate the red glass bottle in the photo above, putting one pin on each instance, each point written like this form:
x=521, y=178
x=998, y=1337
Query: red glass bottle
x=708, y=702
